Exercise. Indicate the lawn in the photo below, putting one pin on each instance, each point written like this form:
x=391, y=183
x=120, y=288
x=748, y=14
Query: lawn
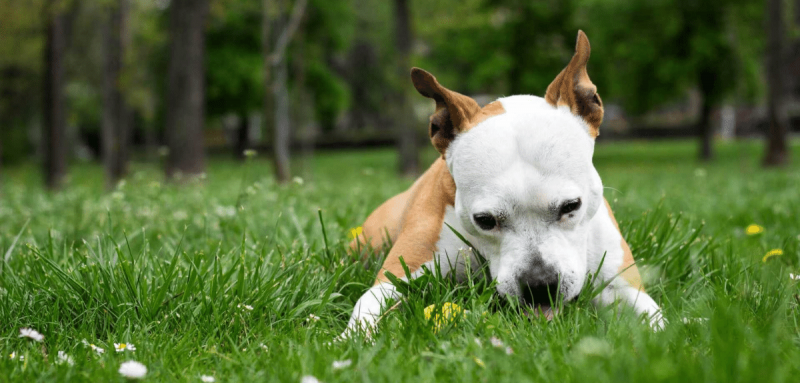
x=238, y=278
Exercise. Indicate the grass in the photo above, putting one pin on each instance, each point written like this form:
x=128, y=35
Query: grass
x=169, y=268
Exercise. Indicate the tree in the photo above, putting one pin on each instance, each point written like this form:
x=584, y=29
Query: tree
x=777, y=151
x=235, y=66
x=276, y=74
x=651, y=53
x=116, y=120
x=54, y=130
x=185, y=114
x=403, y=118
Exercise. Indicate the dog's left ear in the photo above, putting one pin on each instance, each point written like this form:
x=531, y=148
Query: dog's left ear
x=573, y=88
x=453, y=110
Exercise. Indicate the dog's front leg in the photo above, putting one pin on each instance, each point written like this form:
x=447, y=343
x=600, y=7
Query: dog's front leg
x=368, y=308
x=620, y=290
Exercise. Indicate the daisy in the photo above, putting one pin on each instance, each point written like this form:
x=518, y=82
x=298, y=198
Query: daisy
x=12, y=355
x=207, y=379
x=31, y=333
x=93, y=347
x=339, y=364
x=63, y=357
x=120, y=347
x=132, y=370
x=496, y=342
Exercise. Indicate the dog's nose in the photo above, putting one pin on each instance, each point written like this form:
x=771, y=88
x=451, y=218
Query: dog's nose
x=544, y=294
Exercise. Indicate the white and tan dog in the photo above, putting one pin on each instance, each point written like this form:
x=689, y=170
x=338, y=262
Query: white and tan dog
x=516, y=179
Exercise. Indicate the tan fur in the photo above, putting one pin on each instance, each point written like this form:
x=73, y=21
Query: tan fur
x=573, y=88
x=628, y=268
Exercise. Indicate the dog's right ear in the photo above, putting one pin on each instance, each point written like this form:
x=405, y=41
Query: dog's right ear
x=453, y=110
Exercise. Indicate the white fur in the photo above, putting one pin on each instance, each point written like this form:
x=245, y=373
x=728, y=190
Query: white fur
x=521, y=164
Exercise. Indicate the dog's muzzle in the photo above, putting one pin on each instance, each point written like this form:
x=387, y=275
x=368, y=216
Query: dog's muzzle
x=546, y=294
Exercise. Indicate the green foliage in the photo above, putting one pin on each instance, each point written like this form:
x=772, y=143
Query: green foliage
x=646, y=54
x=173, y=268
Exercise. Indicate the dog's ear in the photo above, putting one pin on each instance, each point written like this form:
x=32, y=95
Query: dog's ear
x=573, y=88
x=453, y=110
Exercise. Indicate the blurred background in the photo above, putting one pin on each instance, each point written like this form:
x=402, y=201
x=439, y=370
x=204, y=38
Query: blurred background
x=175, y=82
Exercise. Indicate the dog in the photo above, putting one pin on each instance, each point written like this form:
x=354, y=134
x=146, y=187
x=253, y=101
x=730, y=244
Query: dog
x=516, y=180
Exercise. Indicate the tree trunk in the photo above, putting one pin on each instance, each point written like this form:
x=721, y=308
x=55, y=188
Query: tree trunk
x=116, y=114
x=276, y=73
x=242, y=136
x=185, y=114
x=777, y=151
x=404, y=118
x=54, y=129
x=705, y=130
x=280, y=95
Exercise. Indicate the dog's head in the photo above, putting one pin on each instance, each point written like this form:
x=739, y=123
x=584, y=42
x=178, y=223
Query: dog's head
x=526, y=188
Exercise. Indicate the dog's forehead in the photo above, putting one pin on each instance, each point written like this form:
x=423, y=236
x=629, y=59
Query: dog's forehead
x=552, y=141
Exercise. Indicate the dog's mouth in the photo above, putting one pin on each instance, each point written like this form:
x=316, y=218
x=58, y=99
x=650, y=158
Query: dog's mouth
x=540, y=300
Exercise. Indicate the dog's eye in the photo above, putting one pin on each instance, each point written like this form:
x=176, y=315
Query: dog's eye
x=485, y=221
x=569, y=207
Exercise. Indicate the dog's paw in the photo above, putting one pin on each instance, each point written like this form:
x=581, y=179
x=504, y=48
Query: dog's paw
x=657, y=321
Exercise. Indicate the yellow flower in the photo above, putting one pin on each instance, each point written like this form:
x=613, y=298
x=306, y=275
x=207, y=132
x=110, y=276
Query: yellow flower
x=754, y=229
x=449, y=313
x=772, y=253
x=479, y=362
x=356, y=231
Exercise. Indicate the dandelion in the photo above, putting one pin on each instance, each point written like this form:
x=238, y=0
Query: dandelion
x=133, y=370
x=449, y=313
x=356, y=231
x=479, y=362
x=772, y=253
x=31, y=333
x=339, y=364
x=207, y=379
x=120, y=347
x=63, y=357
x=754, y=229
x=309, y=379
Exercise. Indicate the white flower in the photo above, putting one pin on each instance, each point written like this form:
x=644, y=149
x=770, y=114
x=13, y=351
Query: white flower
x=21, y=358
x=796, y=277
x=132, y=370
x=263, y=347
x=309, y=379
x=496, y=342
x=478, y=342
x=63, y=357
x=120, y=347
x=246, y=307
x=12, y=355
x=94, y=348
x=31, y=333
x=339, y=364
x=509, y=350
x=207, y=379
x=694, y=320
x=312, y=317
